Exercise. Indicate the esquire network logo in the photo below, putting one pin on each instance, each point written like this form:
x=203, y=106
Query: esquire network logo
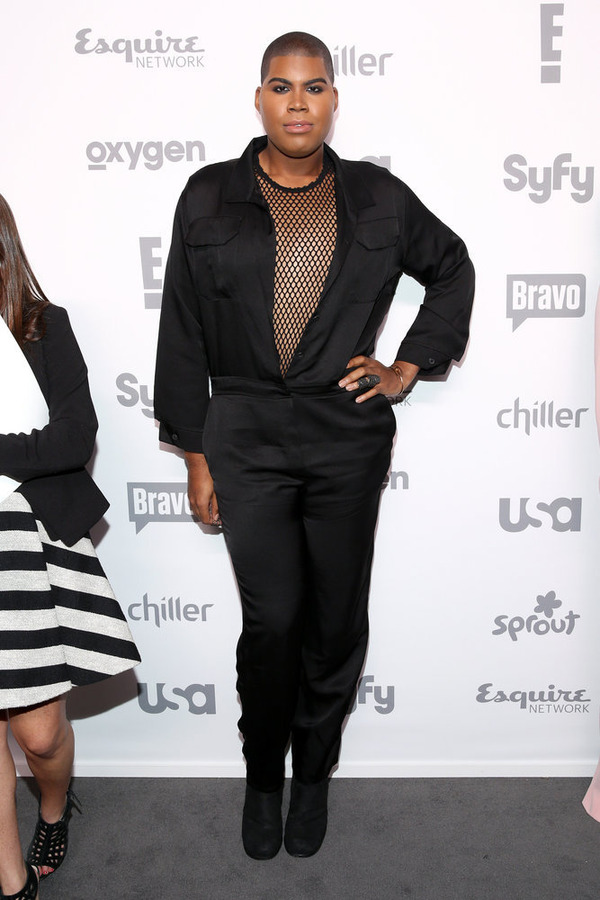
x=541, y=621
x=158, y=52
x=198, y=699
x=157, y=502
x=552, y=700
x=543, y=181
x=544, y=297
x=151, y=154
x=564, y=514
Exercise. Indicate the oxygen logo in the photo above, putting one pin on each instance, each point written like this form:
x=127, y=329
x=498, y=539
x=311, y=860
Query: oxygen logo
x=541, y=414
x=383, y=699
x=199, y=699
x=134, y=393
x=549, y=31
x=563, y=513
x=152, y=154
x=542, y=620
x=169, y=609
x=544, y=297
x=346, y=61
x=552, y=700
x=160, y=51
x=152, y=268
x=547, y=179
x=157, y=502
x=397, y=481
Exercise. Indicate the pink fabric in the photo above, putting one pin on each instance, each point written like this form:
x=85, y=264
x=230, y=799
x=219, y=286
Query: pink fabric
x=591, y=801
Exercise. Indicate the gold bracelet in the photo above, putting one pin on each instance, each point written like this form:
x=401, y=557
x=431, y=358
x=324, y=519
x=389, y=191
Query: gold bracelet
x=398, y=372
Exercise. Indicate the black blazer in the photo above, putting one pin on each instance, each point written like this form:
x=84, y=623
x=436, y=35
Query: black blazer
x=217, y=306
x=50, y=461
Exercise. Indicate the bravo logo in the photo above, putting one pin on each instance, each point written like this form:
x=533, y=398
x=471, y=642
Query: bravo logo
x=544, y=297
x=157, y=502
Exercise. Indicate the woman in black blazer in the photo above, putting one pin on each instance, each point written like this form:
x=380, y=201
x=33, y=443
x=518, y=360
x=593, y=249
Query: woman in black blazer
x=282, y=268
x=60, y=624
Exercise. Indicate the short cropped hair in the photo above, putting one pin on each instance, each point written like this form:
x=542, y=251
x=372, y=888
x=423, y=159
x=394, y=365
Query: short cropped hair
x=296, y=43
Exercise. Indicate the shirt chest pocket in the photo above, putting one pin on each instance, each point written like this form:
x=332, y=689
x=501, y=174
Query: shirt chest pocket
x=374, y=257
x=213, y=249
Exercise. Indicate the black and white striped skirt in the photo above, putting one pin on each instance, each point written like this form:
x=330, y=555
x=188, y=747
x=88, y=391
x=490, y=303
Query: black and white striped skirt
x=60, y=624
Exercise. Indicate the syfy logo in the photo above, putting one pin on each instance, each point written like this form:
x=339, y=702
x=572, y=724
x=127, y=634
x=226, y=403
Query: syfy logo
x=347, y=62
x=533, y=624
x=101, y=154
x=134, y=393
x=154, y=701
x=544, y=297
x=550, y=74
x=167, y=610
x=149, y=53
x=540, y=415
x=151, y=271
x=569, y=522
x=384, y=702
x=554, y=700
x=157, y=502
x=543, y=181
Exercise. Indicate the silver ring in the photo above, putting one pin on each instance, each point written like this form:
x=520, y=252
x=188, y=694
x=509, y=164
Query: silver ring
x=368, y=381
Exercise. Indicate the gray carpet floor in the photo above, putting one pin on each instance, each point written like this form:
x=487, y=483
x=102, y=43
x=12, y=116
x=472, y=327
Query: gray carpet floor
x=388, y=839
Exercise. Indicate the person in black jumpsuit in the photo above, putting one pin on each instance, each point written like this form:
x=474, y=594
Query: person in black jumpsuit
x=282, y=267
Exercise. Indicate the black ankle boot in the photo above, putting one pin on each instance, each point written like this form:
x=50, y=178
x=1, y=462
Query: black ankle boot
x=307, y=819
x=261, y=823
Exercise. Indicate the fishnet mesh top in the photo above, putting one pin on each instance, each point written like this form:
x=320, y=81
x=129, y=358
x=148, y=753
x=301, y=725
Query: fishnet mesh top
x=305, y=234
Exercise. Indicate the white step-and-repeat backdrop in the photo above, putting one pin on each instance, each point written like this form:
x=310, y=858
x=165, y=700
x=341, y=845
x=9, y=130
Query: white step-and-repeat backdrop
x=485, y=616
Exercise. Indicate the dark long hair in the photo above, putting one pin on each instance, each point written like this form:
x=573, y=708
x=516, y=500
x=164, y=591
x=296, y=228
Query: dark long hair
x=22, y=301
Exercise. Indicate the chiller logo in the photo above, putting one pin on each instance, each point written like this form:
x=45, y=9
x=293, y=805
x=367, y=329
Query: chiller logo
x=346, y=61
x=551, y=700
x=200, y=699
x=383, y=698
x=542, y=620
x=564, y=513
x=168, y=609
x=157, y=502
x=544, y=297
x=539, y=415
x=134, y=393
x=160, y=51
x=543, y=181
x=152, y=154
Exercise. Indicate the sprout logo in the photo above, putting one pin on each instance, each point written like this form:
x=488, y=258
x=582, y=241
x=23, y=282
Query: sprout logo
x=541, y=621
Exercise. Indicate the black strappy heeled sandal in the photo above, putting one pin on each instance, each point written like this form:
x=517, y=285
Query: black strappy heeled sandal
x=50, y=840
x=30, y=889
